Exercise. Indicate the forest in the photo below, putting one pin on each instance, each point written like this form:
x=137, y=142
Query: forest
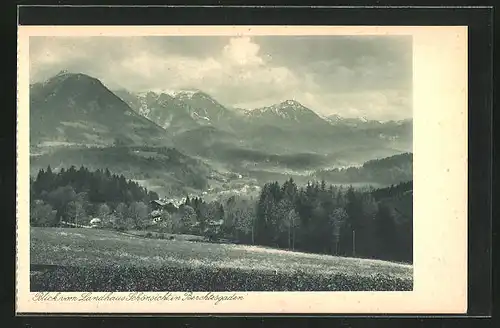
x=316, y=218
x=389, y=170
x=78, y=195
x=369, y=223
x=168, y=167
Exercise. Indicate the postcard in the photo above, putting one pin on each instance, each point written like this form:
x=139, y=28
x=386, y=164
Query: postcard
x=242, y=169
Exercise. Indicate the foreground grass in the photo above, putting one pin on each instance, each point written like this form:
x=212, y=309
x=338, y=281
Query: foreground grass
x=65, y=259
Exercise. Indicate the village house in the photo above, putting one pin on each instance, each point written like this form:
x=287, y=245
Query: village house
x=95, y=223
x=163, y=205
x=212, y=226
x=157, y=205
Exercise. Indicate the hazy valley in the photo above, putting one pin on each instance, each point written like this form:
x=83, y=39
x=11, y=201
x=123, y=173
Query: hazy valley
x=186, y=142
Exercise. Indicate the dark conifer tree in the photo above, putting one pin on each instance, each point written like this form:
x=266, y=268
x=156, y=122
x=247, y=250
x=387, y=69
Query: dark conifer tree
x=386, y=232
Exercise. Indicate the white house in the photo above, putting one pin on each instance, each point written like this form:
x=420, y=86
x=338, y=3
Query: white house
x=95, y=222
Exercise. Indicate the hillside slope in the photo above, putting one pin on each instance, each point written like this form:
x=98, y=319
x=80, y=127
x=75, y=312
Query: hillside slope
x=163, y=170
x=99, y=260
x=389, y=170
x=78, y=109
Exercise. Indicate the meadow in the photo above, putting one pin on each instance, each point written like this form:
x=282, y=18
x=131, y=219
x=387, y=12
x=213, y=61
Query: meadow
x=73, y=259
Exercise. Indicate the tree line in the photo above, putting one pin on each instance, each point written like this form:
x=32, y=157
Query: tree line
x=77, y=195
x=385, y=171
x=334, y=220
x=369, y=223
x=345, y=221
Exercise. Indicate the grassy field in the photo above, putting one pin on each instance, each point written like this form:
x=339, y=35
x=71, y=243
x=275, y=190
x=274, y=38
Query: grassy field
x=66, y=259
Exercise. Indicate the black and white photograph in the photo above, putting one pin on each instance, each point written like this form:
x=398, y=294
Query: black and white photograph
x=233, y=169
x=221, y=163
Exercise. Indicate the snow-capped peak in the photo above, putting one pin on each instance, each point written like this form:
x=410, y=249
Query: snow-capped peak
x=185, y=93
x=188, y=93
x=62, y=72
x=334, y=117
x=353, y=121
x=158, y=92
x=291, y=103
x=288, y=109
x=149, y=93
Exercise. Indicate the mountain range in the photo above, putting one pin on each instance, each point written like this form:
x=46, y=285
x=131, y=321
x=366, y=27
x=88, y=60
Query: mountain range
x=200, y=125
x=77, y=111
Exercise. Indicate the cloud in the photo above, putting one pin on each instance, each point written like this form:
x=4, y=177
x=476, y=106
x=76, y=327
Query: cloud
x=243, y=52
x=241, y=71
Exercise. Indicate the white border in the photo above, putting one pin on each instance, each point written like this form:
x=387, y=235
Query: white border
x=440, y=181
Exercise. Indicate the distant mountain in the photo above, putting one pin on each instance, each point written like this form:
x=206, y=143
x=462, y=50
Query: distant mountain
x=78, y=109
x=179, y=111
x=289, y=112
x=282, y=130
x=333, y=118
x=76, y=120
x=206, y=141
x=285, y=128
x=336, y=119
x=168, y=112
x=361, y=122
x=203, y=107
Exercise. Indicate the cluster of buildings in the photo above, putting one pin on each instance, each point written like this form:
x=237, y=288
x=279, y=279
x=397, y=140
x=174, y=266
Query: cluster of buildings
x=160, y=206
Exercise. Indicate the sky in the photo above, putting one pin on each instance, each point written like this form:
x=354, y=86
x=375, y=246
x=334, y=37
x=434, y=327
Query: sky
x=351, y=76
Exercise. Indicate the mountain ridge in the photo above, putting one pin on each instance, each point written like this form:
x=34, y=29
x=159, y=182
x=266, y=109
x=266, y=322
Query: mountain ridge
x=77, y=108
x=283, y=128
x=290, y=103
x=291, y=111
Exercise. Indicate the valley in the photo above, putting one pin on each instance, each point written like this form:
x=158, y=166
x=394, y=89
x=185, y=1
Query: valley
x=186, y=142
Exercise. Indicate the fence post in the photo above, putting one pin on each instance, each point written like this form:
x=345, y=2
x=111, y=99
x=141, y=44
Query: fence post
x=354, y=243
